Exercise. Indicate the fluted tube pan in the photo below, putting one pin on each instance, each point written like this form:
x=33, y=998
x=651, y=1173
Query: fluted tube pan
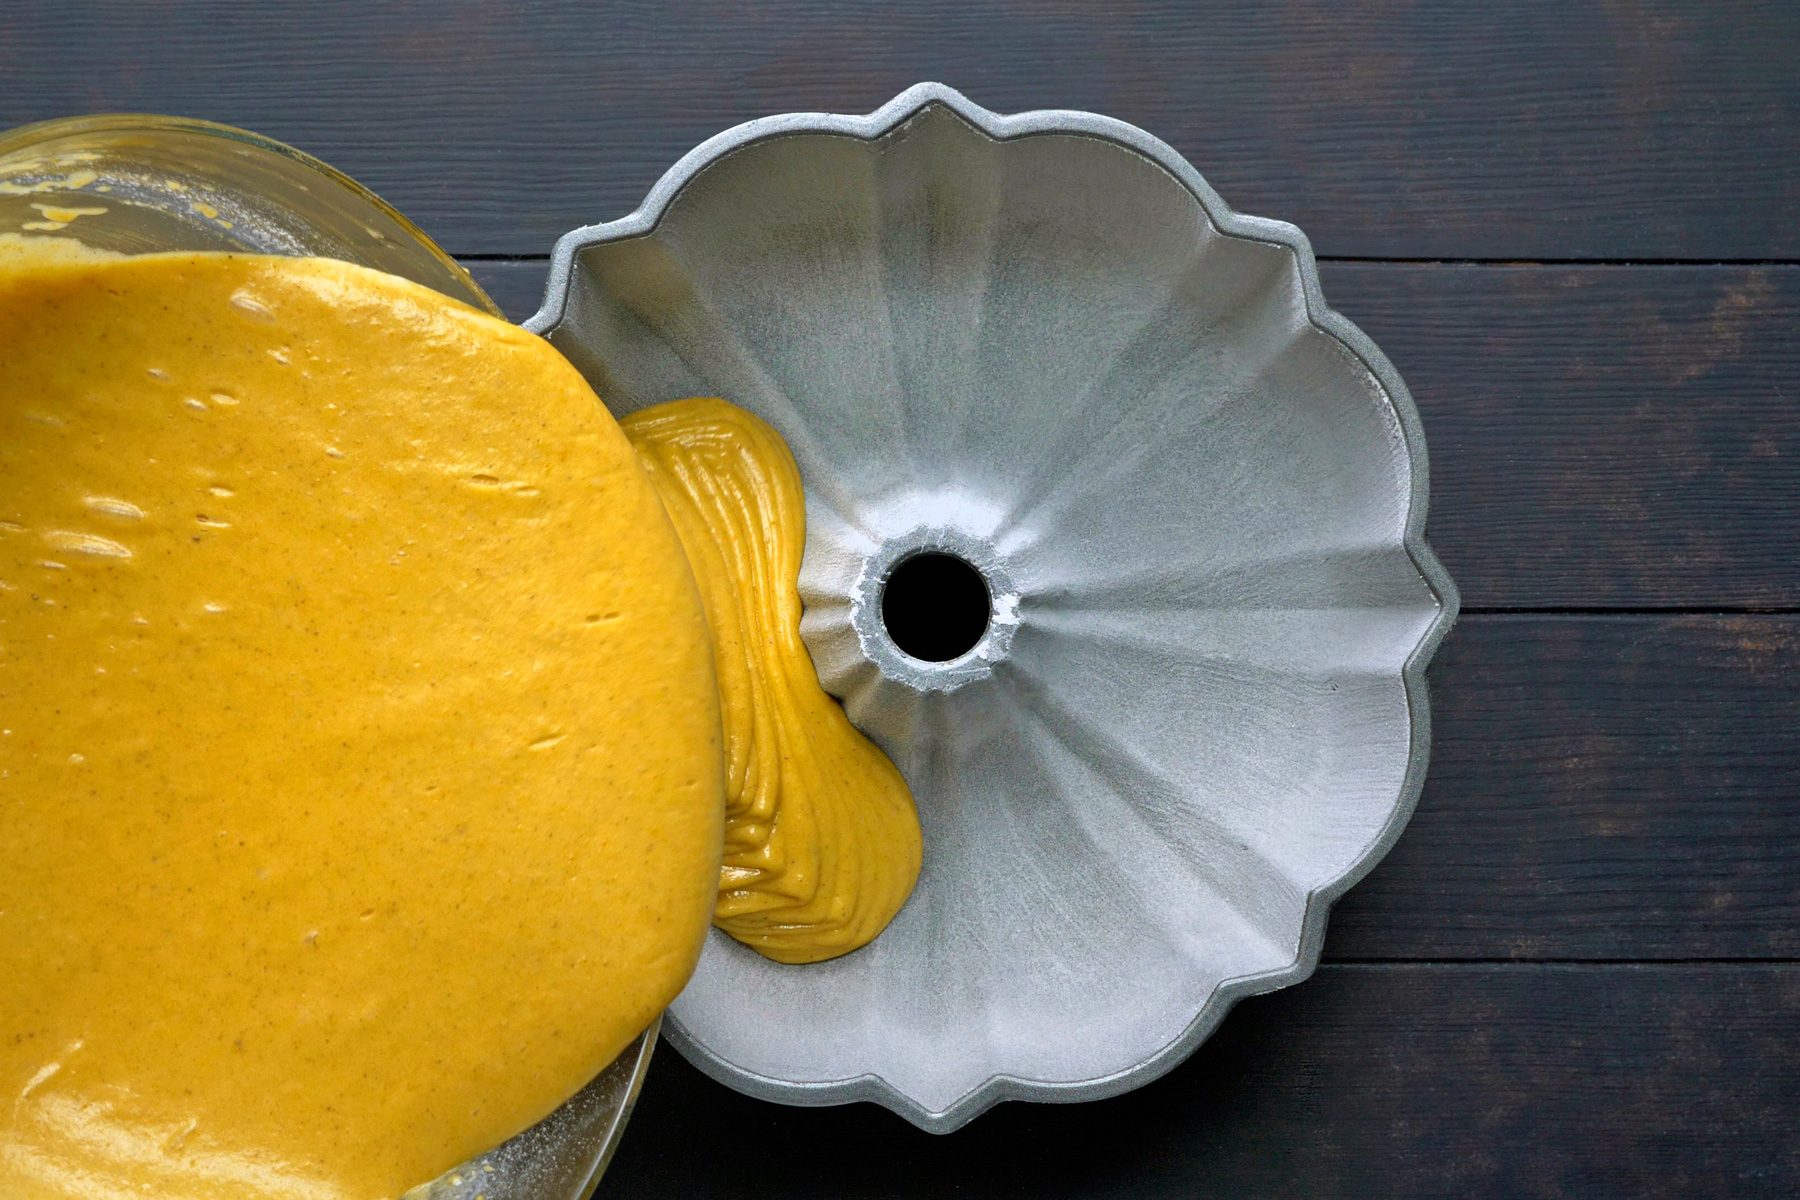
x=1041, y=344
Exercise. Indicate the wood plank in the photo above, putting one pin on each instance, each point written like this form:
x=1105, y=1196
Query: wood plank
x=1600, y=436
x=1538, y=130
x=1601, y=788
x=516, y=285
x=1401, y=1081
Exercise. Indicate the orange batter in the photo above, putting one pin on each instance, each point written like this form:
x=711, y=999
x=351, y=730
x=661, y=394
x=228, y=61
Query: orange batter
x=360, y=759
x=821, y=838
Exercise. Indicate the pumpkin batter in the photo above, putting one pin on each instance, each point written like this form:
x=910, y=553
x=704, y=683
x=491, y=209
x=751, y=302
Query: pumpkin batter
x=360, y=762
x=821, y=837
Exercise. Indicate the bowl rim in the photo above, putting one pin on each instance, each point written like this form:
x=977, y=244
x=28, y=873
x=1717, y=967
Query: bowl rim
x=909, y=104
x=22, y=138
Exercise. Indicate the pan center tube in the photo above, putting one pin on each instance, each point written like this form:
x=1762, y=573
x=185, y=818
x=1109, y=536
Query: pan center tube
x=935, y=609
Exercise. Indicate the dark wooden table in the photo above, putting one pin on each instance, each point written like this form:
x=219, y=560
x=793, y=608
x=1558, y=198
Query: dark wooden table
x=1576, y=229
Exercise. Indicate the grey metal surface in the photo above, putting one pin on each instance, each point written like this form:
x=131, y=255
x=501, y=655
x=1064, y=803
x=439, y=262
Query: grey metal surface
x=1199, y=715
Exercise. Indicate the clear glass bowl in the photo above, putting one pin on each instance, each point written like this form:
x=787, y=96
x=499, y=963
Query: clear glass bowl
x=137, y=184
x=140, y=184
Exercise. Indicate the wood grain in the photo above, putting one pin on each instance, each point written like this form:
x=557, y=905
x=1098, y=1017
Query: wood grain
x=1397, y=1081
x=1531, y=130
x=1600, y=436
x=1600, y=788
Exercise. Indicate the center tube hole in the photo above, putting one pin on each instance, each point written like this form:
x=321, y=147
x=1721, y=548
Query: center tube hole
x=935, y=606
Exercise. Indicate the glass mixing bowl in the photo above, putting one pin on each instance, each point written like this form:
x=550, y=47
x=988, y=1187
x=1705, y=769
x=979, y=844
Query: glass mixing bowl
x=137, y=184
x=140, y=184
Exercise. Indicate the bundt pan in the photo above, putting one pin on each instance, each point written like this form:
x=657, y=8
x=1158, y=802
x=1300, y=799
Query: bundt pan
x=1041, y=345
